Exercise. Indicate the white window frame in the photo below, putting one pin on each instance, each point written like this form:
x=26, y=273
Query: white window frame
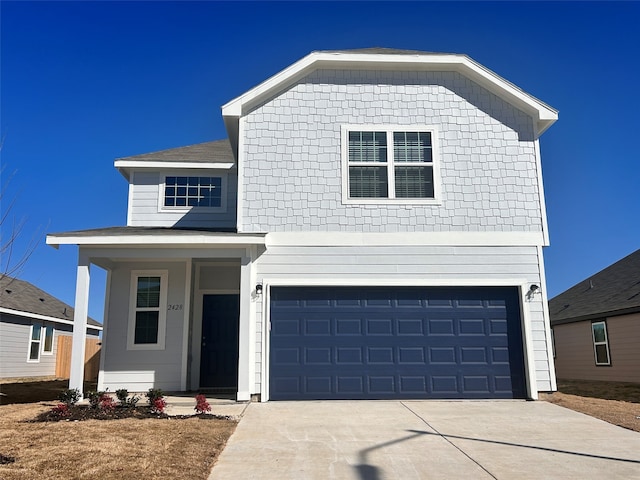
x=184, y=209
x=162, y=309
x=43, y=337
x=389, y=130
x=605, y=343
x=34, y=326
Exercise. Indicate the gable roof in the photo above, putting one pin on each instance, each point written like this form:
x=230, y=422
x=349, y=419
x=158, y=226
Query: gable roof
x=18, y=297
x=612, y=291
x=386, y=59
x=216, y=154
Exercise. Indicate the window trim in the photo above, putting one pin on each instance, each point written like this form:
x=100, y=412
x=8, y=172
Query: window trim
x=605, y=343
x=31, y=341
x=391, y=164
x=162, y=310
x=223, y=198
x=43, y=336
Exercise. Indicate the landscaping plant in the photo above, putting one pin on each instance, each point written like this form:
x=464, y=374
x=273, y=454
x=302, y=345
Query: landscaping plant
x=202, y=406
x=124, y=399
x=156, y=400
x=70, y=396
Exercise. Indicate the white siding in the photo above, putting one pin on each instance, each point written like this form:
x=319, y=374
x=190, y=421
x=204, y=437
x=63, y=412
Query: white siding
x=14, y=346
x=292, y=155
x=414, y=265
x=139, y=370
x=144, y=198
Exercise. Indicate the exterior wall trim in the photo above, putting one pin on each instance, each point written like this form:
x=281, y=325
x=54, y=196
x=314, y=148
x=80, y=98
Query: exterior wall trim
x=20, y=313
x=451, y=238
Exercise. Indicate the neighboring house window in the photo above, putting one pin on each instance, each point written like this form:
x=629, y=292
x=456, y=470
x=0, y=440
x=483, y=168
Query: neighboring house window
x=147, y=320
x=34, y=343
x=396, y=164
x=190, y=192
x=600, y=343
x=47, y=346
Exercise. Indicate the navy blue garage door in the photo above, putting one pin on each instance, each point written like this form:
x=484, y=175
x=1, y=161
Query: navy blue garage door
x=400, y=342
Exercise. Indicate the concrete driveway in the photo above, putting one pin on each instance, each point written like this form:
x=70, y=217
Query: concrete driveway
x=375, y=440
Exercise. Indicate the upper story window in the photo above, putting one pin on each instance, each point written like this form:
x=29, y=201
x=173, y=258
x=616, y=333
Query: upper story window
x=600, y=343
x=186, y=192
x=390, y=164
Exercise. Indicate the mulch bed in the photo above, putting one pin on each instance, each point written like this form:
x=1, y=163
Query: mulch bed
x=78, y=413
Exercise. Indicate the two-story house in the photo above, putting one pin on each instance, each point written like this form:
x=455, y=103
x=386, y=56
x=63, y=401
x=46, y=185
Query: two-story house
x=372, y=228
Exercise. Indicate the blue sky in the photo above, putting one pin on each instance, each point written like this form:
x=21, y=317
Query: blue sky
x=83, y=83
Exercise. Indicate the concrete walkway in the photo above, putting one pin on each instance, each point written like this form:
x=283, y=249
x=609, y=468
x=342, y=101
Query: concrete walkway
x=375, y=440
x=184, y=405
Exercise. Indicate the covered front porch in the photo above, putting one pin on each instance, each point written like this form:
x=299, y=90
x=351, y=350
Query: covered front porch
x=179, y=306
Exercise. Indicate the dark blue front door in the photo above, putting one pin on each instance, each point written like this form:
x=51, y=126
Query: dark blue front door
x=219, y=352
x=399, y=342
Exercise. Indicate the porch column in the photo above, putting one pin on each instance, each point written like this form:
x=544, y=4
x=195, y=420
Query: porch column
x=244, y=353
x=81, y=310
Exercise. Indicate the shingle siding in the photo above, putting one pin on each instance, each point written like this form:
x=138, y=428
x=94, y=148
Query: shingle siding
x=292, y=161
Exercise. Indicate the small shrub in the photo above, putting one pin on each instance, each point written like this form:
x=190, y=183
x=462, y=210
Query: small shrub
x=106, y=403
x=122, y=395
x=202, y=406
x=153, y=394
x=70, y=396
x=158, y=406
x=61, y=410
x=126, y=400
x=95, y=397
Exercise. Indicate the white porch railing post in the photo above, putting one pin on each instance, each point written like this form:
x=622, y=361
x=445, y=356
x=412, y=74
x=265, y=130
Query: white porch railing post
x=81, y=311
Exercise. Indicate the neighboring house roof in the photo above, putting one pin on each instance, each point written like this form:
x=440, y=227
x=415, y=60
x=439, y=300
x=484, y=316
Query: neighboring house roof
x=216, y=154
x=612, y=291
x=18, y=297
x=386, y=59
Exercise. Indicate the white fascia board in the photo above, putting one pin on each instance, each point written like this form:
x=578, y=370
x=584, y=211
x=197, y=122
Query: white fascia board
x=173, y=165
x=544, y=114
x=403, y=238
x=125, y=166
x=37, y=316
x=166, y=240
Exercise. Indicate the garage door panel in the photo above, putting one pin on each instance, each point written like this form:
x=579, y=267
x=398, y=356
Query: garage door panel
x=401, y=342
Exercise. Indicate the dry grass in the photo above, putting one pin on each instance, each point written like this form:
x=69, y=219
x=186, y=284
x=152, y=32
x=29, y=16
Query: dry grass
x=613, y=402
x=108, y=449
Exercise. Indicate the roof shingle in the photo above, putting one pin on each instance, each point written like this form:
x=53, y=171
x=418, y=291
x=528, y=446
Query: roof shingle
x=23, y=296
x=218, y=151
x=614, y=290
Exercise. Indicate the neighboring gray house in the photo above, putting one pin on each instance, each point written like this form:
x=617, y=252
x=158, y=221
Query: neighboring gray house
x=372, y=228
x=31, y=321
x=596, y=325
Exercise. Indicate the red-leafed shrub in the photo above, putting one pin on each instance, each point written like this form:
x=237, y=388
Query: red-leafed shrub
x=158, y=406
x=202, y=406
x=61, y=410
x=106, y=403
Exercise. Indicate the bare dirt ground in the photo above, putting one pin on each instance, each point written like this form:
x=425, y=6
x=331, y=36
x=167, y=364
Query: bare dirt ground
x=34, y=389
x=613, y=402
